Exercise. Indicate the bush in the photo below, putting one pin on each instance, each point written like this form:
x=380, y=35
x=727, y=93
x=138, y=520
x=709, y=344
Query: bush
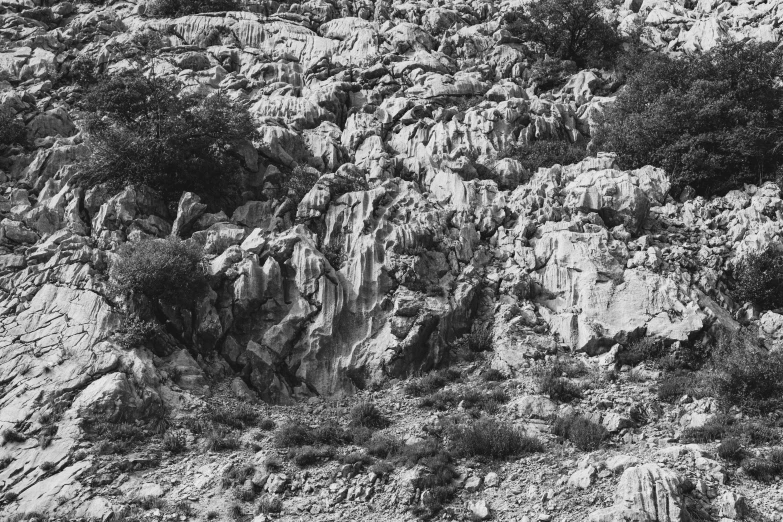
x=175, y=441
x=236, y=475
x=367, y=414
x=218, y=439
x=725, y=426
x=547, y=153
x=267, y=424
x=134, y=332
x=165, y=269
x=730, y=449
x=759, y=279
x=296, y=434
x=383, y=446
x=270, y=504
x=12, y=130
x=568, y=29
x=236, y=415
x=436, y=481
x=711, y=120
x=763, y=469
x=11, y=435
x=488, y=437
x=299, y=182
x=583, y=433
x=431, y=382
x=143, y=132
x=493, y=375
x=746, y=375
x=554, y=381
x=177, y=8
x=643, y=349
x=477, y=400
x=480, y=339
x=309, y=455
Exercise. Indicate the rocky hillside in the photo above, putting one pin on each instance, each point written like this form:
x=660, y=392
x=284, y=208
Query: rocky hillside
x=450, y=252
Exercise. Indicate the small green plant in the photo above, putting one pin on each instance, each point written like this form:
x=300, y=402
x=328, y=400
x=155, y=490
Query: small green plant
x=759, y=279
x=643, y=349
x=432, y=382
x=480, y=339
x=270, y=504
x=218, y=439
x=175, y=441
x=383, y=445
x=730, y=449
x=47, y=466
x=582, y=432
x=5, y=462
x=238, y=415
x=166, y=269
x=487, y=437
x=766, y=467
x=367, y=414
x=11, y=435
x=134, y=332
x=308, y=455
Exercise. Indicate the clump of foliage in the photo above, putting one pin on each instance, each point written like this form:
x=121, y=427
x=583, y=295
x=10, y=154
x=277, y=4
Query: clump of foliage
x=133, y=332
x=165, y=269
x=673, y=387
x=582, y=432
x=175, y=441
x=480, y=339
x=711, y=120
x=568, y=30
x=747, y=375
x=724, y=426
x=269, y=504
x=309, y=455
x=12, y=435
x=490, y=438
x=143, y=131
x=730, y=449
x=299, y=182
x=547, y=153
x=432, y=382
x=12, y=130
x=759, y=279
x=437, y=480
x=367, y=414
x=383, y=445
x=554, y=381
x=177, y=8
x=473, y=399
x=235, y=415
x=766, y=467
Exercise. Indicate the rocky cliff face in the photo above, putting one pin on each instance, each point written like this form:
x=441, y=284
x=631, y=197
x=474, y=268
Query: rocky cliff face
x=352, y=286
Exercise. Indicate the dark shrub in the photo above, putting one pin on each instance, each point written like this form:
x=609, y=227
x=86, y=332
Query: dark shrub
x=309, y=455
x=11, y=435
x=568, y=29
x=472, y=398
x=711, y=120
x=368, y=415
x=761, y=468
x=643, y=349
x=759, y=279
x=383, y=445
x=236, y=475
x=134, y=332
x=12, y=130
x=437, y=478
x=730, y=449
x=236, y=415
x=554, y=380
x=549, y=73
x=270, y=504
x=480, y=339
x=218, y=439
x=747, y=375
x=330, y=433
x=493, y=375
x=166, y=269
x=714, y=429
x=547, y=153
x=142, y=132
x=488, y=437
x=299, y=183
x=175, y=441
x=432, y=382
x=177, y=8
x=267, y=424
x=293, y=434
x=583, y=433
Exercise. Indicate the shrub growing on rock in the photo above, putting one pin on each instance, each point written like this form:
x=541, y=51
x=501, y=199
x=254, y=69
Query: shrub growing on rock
x=759, y=279
x=490, y=438
x=569, y=30
x=367, y=414
x=546, y=153
x=747, y=375
x=143, y=132
x=712, y=120
x=177, y=8
x=12, y=130
x=164, y=269
x=582, y=432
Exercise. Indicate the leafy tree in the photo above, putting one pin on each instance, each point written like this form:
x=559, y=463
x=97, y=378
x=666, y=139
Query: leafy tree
x=569, y=30
x=143, y=131
x=175, y=8
x=711, y=120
